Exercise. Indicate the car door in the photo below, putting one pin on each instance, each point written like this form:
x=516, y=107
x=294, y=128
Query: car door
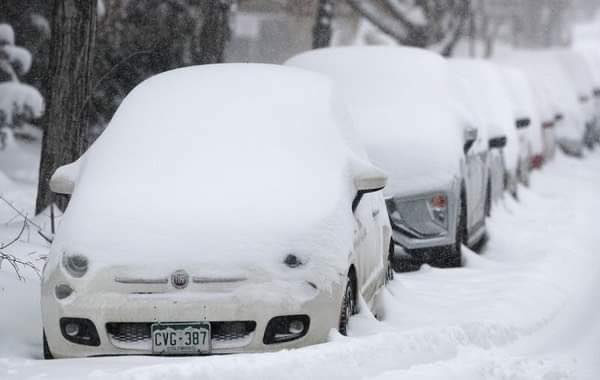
x=367, y=245
x=476, y=177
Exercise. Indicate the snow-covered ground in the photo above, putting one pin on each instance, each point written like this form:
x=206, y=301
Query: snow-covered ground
x=526, y=308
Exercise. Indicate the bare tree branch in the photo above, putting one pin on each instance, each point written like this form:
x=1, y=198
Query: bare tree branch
x=4, y=246
x=421, y=23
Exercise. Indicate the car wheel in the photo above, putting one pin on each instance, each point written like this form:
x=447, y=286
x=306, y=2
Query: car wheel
x=488, y=200
x=452, y=255
x=389, y=270
x=524, y=175
x=348, y=307
x=47, y=353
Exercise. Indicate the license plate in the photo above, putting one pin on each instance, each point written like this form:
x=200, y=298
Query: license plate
x=181, y=338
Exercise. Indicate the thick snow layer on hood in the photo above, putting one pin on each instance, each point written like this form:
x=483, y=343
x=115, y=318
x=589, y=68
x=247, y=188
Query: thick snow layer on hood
x=400, y=101
x=218, y=168
x=494, y=101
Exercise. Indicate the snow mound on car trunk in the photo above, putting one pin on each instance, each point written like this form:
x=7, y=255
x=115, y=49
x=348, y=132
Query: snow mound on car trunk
x=218, y=169
x=400, y=100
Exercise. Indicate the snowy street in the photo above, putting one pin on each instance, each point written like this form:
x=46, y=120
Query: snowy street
x=526, y=308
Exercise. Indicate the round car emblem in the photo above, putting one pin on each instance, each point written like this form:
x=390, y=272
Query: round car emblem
x=180, y=279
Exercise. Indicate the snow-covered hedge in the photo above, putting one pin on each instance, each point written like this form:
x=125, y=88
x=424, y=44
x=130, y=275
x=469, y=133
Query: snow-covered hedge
x=20, y=103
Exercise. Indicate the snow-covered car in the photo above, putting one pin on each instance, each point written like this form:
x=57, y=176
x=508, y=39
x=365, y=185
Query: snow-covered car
x=577, y=70
x=591, y=53
x=544, y=69
x=226, y=208
x=479, y=90
x=401, y=102
x=527, y=121
x=547, y=112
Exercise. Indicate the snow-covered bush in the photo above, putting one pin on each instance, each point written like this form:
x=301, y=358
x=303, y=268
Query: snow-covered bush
x=20, y=103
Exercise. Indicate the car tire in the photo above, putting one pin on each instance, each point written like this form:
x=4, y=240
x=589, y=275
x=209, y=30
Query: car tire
x=348, y=306
x=452, y=254
x=47, y=354
x=523, y=174
x=389, y=270
x=488, y=200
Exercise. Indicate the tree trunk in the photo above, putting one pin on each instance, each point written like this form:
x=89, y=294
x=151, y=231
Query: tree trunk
x=215, y=33
x=322, y=29
x=69, y=86
x=464, y=13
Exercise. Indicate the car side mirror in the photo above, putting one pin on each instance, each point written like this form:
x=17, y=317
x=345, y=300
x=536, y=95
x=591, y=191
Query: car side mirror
x=64, y=178
x=369, y=181
x=523, y=123
x=470, y=138
x=497, y=142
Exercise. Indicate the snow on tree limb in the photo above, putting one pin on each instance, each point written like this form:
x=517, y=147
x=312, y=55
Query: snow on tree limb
x=19, y=57
x=7, y=35
x=19, y=100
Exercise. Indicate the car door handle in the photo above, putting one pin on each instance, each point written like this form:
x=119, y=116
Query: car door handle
x=375, y=213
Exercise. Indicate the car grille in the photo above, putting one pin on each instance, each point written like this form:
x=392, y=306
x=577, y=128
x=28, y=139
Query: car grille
x=136, y=335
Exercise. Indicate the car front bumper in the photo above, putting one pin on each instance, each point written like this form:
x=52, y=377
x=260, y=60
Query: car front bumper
x=410, y=243
x=131, y=308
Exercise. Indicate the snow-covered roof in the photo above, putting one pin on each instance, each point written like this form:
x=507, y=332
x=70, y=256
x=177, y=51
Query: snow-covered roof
x=494, y=101
x=400, y=101
x=545, y=71
x=523, y=98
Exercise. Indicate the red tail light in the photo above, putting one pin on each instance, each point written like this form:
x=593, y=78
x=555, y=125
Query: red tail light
x=537, y=161
x=547, y=124
x=439, y=201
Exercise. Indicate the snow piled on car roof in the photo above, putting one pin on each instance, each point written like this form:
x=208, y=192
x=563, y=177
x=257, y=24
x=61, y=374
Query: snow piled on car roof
x=494, y=101
x=400, y=102
x=523, y=99
x=218, y=168
x=547, y=73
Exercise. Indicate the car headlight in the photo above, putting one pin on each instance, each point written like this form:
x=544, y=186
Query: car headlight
x=425, y=217
x=76, y=264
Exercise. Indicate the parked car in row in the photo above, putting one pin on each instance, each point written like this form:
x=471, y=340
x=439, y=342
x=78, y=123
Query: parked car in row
x=591, y=55
x=569, y=121
x=217, y=231
x=401, y=102
x=527, y=122
x=580, y=75
x=484, y=95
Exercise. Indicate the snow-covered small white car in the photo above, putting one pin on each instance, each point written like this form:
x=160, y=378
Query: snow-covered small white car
x=401, y=102
x=226, y=208
x=527, y=120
